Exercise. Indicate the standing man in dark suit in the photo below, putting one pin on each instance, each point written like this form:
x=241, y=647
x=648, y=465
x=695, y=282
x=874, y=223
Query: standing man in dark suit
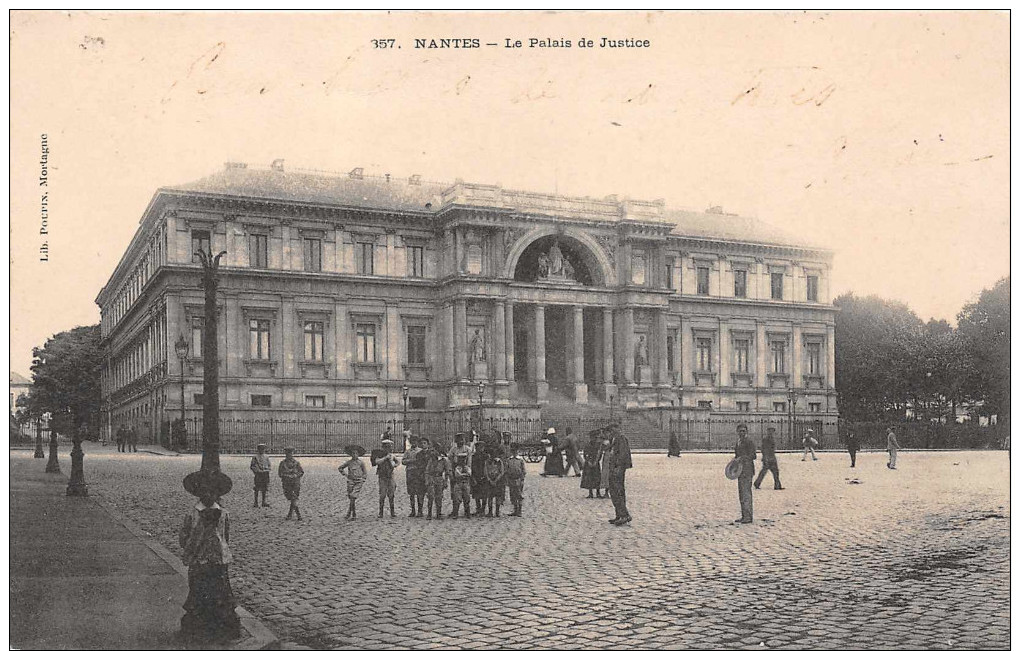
x=619, y=462
x=746, y=453
x=768, y=460
x=852, y=446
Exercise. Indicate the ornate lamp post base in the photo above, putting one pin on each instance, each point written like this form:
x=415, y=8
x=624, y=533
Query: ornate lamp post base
x=77, y=487
x=39, y=452
x=53, y=465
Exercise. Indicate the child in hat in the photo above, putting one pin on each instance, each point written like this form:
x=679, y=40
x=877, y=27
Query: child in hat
x=437, y=473
x=356, y=473
x=203, y=536
x=387, y=483
x=515, y=472
x=495, y=478
x=290, y=472
x=260, y=467
x=461, y=492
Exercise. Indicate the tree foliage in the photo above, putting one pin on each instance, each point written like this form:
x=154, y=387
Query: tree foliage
x=888, y=361
x=66, y=379
x=984, y=332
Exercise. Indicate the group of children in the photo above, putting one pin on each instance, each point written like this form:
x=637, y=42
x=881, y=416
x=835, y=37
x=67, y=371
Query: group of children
x=482, y=470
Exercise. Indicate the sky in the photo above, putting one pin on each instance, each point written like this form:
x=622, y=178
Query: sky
x=883, y=136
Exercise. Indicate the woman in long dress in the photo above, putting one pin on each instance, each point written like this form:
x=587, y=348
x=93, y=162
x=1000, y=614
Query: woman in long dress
x=591, y=475
x=553, y=455
x=604, y=478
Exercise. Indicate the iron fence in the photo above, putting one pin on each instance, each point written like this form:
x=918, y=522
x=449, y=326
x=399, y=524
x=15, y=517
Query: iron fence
x=648, y=429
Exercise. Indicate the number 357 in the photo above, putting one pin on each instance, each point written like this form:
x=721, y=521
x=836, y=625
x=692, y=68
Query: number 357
x=384, y=43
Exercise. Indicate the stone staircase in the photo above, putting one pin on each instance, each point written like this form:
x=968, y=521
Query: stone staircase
x=642, y=426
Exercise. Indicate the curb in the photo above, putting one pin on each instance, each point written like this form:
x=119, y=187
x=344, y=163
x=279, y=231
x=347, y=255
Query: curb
x=260, y=637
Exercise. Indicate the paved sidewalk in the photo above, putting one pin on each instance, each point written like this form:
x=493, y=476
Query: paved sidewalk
x=81, y=578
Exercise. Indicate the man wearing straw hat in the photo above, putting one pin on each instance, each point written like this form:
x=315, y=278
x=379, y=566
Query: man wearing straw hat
x=260, y=467
x=746, y=453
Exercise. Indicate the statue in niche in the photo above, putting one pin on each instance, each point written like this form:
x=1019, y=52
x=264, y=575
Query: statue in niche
x=641, y=351
x=568, y=269
x=543, y=265
x=555, y=261
x=478, y=346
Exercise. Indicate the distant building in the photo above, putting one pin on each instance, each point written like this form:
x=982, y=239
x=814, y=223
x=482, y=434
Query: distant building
x=338, y=290
x=19, y=386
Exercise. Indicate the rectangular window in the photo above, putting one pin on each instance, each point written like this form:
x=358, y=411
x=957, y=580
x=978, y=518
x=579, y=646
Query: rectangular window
x=258, y=330
x=703, y=281
x=743, y=406
x=778, y=356
x=366, y=402
x=197, y=398
x=416, y=261
x=313, y=340
x=812, y=289
x=416, y=344
x=777, y=286
x=740, y=283
x=779, y=407
x=704, y=354
x=258, y=250
x=197, y=326
x=366, y=343
x=742, y=351
x=669, y=273
x=313, y=254
x=317, y=402
x=814, y=407
x=364, y=252
x=814, y=359
x=670, y=348
x=261, y=400
x=704, y=404
x=199, y=242
x=416, y=402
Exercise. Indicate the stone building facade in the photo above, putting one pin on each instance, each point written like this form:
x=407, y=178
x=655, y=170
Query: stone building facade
x=338, y=291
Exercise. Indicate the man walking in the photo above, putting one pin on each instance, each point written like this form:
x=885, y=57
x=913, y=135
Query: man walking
x=746, y=453
x=768, y=460
x=892, y=445
x=619, y=462
x=573, y=461
x=852, y=446
x=809, y=445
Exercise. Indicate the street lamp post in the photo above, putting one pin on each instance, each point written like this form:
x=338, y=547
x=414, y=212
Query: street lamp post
x=181, y=348
x=210, y=604
x=481, y=393
x=404, y=391
x=39, y=452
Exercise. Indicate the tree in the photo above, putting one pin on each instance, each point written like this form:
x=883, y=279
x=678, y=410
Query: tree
x=66, y=379
x=875, y=356
x=984, y=331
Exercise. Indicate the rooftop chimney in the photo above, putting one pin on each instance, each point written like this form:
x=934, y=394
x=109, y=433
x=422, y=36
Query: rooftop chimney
x=357, y=173
x=277, y=165
x=387, y=178
x=414, y=180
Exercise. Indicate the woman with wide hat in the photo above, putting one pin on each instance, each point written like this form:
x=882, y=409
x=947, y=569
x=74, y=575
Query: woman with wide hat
x=204, y=537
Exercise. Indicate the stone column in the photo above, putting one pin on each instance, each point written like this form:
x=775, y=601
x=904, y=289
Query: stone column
x=541, y=386
x=499, y=340
x=830, y=349
x=724, y=354
x=761, y=356
x=509, y=332
x=661, y=363
x=460, y=352
x=627, y=344
x=796, y=350
x=580, y=388
x=449, y=361
x=608, y=383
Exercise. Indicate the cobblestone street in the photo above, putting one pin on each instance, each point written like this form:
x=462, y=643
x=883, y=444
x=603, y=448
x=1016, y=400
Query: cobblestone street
x=912, y=558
